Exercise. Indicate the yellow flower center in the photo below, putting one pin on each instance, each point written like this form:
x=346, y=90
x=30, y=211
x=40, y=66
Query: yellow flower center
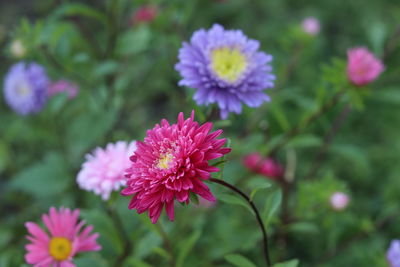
x=23, y=89
x=228, y=63
x=164, y=161
x=60, y=248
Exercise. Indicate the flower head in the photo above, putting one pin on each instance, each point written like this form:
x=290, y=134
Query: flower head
x=144, y=14
x=25, y=88
x=267, y=167
x=225, y=67
x=17, y=49
x=104, y=169
x=363, y=67
x=393, y=253
x=311, y=25
x=61, y=86
x=63, y=239
x=171, y=163
x=339, y=200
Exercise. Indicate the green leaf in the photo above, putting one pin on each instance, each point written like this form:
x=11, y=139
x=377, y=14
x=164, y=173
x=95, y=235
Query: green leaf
x=147, y=245
x=134, y=41
x=305, y=141
x=186, y=247
x=239, y=260
x=235, y=200
x=291, y=263
x=105, y=227
x=272, y=204
x=193, y=197
x=264, y=185
x=304, y=227
x=75, y=9
x=47, y=178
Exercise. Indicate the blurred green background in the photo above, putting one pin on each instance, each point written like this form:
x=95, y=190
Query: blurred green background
x=127, y=83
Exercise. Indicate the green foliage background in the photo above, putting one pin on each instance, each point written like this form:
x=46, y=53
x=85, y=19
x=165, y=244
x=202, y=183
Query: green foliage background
x=128, y=83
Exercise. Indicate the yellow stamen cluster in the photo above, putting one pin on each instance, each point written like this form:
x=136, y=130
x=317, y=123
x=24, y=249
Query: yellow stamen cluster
x=228, y=63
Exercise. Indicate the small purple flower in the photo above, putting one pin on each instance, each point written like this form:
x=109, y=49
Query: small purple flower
x=25, y=88
x=225, y=67
x=393, y=253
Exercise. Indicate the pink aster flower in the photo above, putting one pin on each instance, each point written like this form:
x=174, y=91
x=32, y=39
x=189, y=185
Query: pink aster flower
x=311, y=25
x=62, y=86
x=63, y=240
x=267, y=167
x=171, y=163
x=104, y=169
x=363, y=67
x=339, y=200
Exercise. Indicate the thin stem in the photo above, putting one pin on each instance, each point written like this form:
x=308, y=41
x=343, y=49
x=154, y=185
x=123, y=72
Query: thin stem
x=256, y=212
x=320, y=156
x=167, y=244
x=301, y=126
x=124, y=236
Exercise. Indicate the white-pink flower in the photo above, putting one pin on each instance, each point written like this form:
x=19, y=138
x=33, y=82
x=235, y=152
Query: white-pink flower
x=311, y=25
x=104, y=169
x=339, y=200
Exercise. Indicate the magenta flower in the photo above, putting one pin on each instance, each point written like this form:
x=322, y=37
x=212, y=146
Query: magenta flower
x=171, y=163
x=311, y=25
x=363, y=67
x=64, y=240
x=104, y=169
x=144, y=14
x=267, y=167
x=339, y=200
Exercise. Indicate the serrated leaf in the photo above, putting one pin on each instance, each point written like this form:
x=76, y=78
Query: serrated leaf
x=239, y=260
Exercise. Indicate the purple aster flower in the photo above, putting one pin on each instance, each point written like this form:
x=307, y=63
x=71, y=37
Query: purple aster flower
x=225, y=67
x=393, y=253
x=25, y=87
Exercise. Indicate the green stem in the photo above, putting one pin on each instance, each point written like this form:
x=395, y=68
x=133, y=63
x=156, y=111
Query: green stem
x=167, y=244
x=310, y=119
x=256, y=212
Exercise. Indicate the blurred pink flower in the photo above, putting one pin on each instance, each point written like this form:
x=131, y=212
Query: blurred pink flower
x=61, y=86
x=170, y=163
x=64, y=238
x=104, y=169
x=363, y=67
x=311, y=25
x=267, y=167
x=339, y=200
x=144, y=14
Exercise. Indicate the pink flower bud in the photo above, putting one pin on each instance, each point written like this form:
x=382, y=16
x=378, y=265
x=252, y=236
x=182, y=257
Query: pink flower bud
x=311, y=25
x=339, y=200
x=267, y=167
x=144, y=14
x=362, y=67
x=61, y=86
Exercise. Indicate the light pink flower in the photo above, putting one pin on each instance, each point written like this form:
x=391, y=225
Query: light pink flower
x=339, y=200
x=267, y=167
x=311, y=25
x=63, y=86
x=363, y=67
x=171, y=163
x=63, y=240
x=104, y=169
